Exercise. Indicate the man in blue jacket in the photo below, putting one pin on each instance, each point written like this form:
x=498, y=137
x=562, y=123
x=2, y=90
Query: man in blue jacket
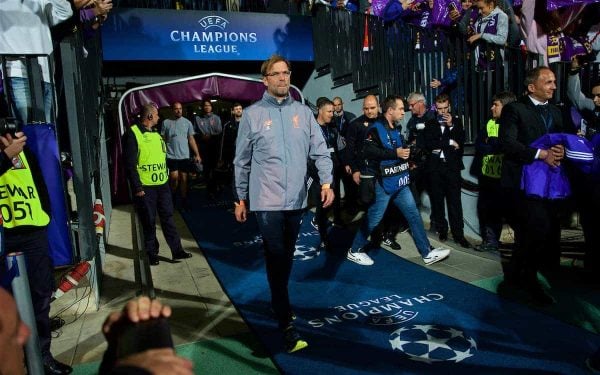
x=386, y=157
x=276, y=137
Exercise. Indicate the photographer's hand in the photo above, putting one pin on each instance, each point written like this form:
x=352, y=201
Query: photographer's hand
x=12, y=146
x=136, y=310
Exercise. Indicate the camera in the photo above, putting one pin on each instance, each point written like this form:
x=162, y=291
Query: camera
x=441, y=119
x=8, y=125
x=452, y=7
x=591, y=132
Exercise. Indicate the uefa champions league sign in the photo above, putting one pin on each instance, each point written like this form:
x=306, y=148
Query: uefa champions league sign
x=168, y=35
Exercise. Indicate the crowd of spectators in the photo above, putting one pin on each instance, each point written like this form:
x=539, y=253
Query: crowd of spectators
x=29, y=32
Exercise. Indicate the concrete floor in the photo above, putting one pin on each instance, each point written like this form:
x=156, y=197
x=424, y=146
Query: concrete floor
x=201, y=310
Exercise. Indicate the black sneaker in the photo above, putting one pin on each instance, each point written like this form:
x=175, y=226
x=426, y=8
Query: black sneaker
x=53, y=367
x=292, y=314
x=391, y=243
x=292, y=340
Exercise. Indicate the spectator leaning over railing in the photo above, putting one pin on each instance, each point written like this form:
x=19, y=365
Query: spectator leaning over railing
x=25, y=30
x=492, y=27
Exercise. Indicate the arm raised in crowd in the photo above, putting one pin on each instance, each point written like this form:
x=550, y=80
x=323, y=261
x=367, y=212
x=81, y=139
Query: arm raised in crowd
x=60, y=10
x=574, y=89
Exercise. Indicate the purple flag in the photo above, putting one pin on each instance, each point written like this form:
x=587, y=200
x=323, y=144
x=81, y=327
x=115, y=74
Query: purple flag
x=377, y=6
x=556, y=4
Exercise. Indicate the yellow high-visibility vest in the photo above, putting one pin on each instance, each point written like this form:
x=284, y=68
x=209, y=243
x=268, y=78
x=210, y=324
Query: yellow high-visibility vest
x=491, y=165
x=19, y=199
x=152, y=158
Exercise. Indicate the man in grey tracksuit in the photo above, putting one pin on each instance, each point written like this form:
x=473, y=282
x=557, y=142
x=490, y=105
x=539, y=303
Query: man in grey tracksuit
x=276, y=137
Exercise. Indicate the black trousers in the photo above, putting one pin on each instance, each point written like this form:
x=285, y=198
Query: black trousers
x=209, y=151
x=34, y=245
x=157, y=199
x=490, y=209
x=321, y=214
x=279, y=230
x=587, y=197
x=350, y=190
x=444, y=186
x=537, y=235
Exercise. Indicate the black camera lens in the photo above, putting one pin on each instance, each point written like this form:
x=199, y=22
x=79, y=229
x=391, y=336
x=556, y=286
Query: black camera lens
x=8, y=125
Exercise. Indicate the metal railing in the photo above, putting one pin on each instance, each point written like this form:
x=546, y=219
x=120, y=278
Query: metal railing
x=397, y=58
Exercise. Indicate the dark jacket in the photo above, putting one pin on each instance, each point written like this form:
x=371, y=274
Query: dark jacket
x=521, y=123
x=355, y=138
x=434, y=139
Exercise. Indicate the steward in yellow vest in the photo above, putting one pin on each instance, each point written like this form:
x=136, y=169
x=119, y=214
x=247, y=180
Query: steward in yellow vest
x=145, y=156
x=24, y=201
x=25, y=207
x=20, y=203
x=487, y=166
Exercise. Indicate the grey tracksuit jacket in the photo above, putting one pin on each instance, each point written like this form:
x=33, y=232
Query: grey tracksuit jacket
x=275, y=141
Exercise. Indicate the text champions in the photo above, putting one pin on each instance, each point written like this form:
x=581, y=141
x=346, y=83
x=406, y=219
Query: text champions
x=214, y=41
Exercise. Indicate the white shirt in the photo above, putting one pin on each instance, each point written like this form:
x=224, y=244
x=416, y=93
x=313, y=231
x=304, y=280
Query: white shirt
x=25, y=29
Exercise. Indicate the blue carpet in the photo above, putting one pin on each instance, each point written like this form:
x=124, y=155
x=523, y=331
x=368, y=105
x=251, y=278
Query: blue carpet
x=394, y=317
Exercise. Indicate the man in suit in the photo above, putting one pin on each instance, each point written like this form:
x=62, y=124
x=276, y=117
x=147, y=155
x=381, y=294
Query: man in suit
x=535, y=220
x=444, y=139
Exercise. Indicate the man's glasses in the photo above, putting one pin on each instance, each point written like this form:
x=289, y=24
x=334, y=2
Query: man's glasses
x=285, y=73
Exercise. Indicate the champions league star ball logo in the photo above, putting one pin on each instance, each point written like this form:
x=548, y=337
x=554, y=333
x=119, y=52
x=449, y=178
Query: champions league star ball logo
x=433, y=343
x=305, y=252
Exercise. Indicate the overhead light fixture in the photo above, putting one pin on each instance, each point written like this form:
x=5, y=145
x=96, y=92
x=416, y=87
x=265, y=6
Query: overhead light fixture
x=213, y=100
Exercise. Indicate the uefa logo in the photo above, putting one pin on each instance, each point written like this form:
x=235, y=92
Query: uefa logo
x=432, y=343
x=209, y=22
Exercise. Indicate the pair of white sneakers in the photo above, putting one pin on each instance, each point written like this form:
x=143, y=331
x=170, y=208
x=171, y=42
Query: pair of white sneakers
x=434, y=256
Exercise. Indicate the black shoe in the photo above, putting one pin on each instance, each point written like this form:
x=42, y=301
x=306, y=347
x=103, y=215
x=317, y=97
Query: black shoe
x=182, y=255
x=292, y=315
x=443, y=236
x=56, y=323
x=486, y=247
x=391, y=243
x=539, y=296
x=463, y=242
x=53, y=367
x=153, y=260
x=292, y=340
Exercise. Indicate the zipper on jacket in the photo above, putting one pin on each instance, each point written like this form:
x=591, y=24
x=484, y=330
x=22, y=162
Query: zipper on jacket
x=285, y=162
